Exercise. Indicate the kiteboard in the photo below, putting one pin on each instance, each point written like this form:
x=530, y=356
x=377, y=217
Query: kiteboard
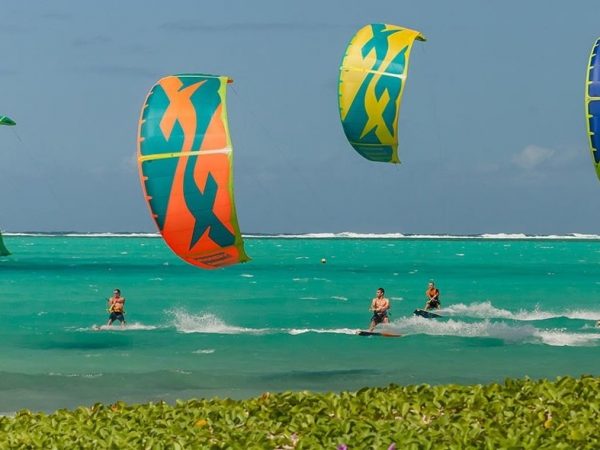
x=375, y=333
x=426, y=314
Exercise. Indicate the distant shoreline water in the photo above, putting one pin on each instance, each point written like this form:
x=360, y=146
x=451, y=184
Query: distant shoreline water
x=512, y=306
x=324, y=235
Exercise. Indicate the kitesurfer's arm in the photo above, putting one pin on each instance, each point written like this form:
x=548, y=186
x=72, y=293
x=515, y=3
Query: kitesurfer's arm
x=383, y=306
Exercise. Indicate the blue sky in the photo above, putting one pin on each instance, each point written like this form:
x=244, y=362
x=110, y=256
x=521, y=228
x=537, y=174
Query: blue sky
x=492, y=131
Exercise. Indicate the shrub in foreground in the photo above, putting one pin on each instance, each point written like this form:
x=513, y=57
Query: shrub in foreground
x=519, y=414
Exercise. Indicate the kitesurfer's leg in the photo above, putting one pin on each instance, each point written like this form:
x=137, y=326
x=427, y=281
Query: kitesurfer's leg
x=373, y=324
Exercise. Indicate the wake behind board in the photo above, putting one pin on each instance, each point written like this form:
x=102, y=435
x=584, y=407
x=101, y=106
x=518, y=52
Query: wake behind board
x=107, y=328
x=374, y=333
x=426, y=314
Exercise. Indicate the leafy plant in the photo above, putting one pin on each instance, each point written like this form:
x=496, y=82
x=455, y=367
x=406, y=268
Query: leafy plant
x=520, y=414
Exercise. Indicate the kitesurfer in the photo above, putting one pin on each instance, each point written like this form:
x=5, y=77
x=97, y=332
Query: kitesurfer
x=380, y=307
x=433, y=297
x=116, y=308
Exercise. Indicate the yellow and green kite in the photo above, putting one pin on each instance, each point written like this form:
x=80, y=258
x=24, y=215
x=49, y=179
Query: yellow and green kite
x=371, y=83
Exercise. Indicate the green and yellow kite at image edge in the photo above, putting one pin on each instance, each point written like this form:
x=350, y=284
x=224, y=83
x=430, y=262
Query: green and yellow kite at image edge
x=3, y=250
x=5, y=120
x=371, y=83
x=592, y=105
x=185, y=163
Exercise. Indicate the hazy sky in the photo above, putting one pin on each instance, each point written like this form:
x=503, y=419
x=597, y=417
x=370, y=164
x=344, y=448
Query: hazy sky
x=492, y=131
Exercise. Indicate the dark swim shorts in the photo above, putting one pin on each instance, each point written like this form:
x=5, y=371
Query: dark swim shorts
x=117, y=316
x=433, y=304
x=379, y=317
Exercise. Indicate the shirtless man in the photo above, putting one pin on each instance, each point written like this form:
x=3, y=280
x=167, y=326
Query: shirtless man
x=116, y=308
x=433, y=297
x=380, y=307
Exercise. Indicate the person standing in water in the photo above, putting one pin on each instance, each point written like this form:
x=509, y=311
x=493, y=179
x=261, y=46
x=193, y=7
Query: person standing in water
x=433, y=297
x=380, y=307
x=116, y=308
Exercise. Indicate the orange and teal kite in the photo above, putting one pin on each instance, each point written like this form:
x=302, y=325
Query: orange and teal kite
x=185, y=165
x=372, y=78
x=592, y=105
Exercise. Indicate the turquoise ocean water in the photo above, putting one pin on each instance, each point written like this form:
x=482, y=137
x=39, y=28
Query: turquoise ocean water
x=513, y=307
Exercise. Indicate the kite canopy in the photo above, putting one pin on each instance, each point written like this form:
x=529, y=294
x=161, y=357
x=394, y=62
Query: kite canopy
x=592, y=105
x=3, y=250
x=185, y=165
x=5, y=120
x=372, y=78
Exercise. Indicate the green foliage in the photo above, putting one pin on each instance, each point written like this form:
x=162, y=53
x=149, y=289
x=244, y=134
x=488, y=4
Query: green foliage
x=520, y=414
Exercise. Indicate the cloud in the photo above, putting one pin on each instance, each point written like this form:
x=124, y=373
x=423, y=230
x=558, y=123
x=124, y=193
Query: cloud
x=11, y=29
x=7, y=72
x=532, y=156
x=125, y=71
x=91, y=41
x=194, y=26
x=53, y=15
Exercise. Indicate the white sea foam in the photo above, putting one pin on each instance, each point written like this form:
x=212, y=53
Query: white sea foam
x=353, y=235
x=130, y=326
x=81, y=234
x=247, y=275
x=204, y=351
x=186, y=322
x=342, y=235
x=485, y=310
x=74, y=375
x=297, y=331
x=339, y=297
x=496, y=330
x=564, y=339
